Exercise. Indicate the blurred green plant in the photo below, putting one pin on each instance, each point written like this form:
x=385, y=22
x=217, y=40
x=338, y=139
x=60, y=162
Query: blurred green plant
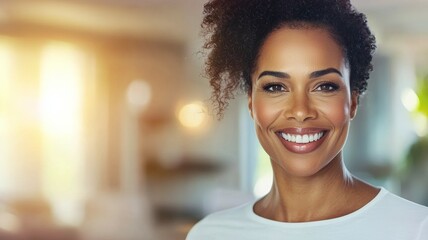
x=418, y=151
x=423, y=95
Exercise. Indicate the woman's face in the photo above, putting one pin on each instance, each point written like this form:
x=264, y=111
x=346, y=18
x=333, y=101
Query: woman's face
x=300, y=100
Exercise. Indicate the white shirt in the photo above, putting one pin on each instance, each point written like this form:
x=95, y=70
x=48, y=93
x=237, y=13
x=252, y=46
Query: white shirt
x=386, y=217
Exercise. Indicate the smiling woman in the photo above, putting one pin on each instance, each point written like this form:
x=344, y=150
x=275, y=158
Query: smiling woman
x=304, y=65
x=309, y=98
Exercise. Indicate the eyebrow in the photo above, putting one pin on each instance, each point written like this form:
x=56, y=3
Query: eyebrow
x=274, y=74
x=314, y=74
x=324, y=72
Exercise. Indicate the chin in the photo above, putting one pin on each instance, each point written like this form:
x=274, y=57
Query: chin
x=302, y=168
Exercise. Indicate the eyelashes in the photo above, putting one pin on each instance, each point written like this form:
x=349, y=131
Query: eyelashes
x=327, y=87
x=324, y=87
x=274, y=87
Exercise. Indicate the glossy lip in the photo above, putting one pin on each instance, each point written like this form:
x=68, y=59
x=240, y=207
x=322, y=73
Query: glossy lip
x=302, y=148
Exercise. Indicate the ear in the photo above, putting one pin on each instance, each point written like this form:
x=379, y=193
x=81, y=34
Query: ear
x=250, y=103
x=354, y=104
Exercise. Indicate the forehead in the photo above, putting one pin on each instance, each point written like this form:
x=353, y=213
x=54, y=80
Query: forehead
x=287, y=47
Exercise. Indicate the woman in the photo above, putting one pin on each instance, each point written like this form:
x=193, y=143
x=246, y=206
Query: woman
x=304, y=65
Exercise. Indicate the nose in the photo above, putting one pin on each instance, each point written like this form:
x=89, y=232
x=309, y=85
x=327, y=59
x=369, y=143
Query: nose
x=300, y=108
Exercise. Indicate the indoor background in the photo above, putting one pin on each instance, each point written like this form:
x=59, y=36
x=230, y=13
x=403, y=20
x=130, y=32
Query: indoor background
x=106, y=132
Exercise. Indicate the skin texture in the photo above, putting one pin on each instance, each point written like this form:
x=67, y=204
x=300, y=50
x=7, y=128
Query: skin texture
x=291, y=90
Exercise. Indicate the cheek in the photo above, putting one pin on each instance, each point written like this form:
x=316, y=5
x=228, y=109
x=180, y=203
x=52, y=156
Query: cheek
x=338, y=112
x=264, y=112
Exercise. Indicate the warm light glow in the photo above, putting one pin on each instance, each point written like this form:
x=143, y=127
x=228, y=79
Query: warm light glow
x=192, y=115
x=6, y=63
x=5, y=74
x=9, y=222
x=61, y=75
x=138, y=94
x=409, y=99
x=60, y=109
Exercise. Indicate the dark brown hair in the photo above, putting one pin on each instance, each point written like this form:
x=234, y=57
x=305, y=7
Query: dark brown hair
x=234, y=31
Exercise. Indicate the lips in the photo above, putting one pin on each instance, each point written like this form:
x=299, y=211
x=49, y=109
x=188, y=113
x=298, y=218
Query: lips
x=302, y=140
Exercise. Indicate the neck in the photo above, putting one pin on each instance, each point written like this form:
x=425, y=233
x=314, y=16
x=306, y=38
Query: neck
x=331, y=193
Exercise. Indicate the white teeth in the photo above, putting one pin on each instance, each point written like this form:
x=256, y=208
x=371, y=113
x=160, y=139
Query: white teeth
x=307, y=138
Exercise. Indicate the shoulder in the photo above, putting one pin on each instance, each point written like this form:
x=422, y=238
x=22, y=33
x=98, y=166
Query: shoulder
x=398, y=204
x=394, y=210
x=414, y=217
x=218, y=221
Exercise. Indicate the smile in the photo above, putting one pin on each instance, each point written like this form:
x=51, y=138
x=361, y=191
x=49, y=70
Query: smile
x=302, y=140
x=306, y=138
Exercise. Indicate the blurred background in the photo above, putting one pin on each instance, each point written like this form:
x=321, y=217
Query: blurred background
x=106, y=131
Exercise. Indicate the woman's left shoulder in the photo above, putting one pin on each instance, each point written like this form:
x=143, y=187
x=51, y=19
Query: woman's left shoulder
x=392, y=206
x=403, y=204
x=398, y=215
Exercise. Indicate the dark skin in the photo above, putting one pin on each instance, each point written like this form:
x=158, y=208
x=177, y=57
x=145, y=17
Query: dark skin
x=295, y=202
x=300, y=90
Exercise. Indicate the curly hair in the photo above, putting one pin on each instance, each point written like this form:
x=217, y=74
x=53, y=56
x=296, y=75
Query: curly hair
x=235, y=30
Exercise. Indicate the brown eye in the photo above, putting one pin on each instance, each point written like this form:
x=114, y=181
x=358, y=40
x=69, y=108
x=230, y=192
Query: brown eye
x=272, y=88
x=327, y=87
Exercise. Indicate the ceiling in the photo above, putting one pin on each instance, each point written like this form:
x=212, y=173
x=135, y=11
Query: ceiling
x=178, y=19
x=157, y=19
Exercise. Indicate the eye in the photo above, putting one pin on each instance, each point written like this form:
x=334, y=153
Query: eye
x=273, y=88
x=327, y=87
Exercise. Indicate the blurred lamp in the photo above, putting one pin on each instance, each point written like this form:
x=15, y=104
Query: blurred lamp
x=192, y=115
x=138, y=95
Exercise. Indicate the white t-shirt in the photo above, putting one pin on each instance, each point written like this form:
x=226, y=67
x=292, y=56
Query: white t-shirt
x=386, y=217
